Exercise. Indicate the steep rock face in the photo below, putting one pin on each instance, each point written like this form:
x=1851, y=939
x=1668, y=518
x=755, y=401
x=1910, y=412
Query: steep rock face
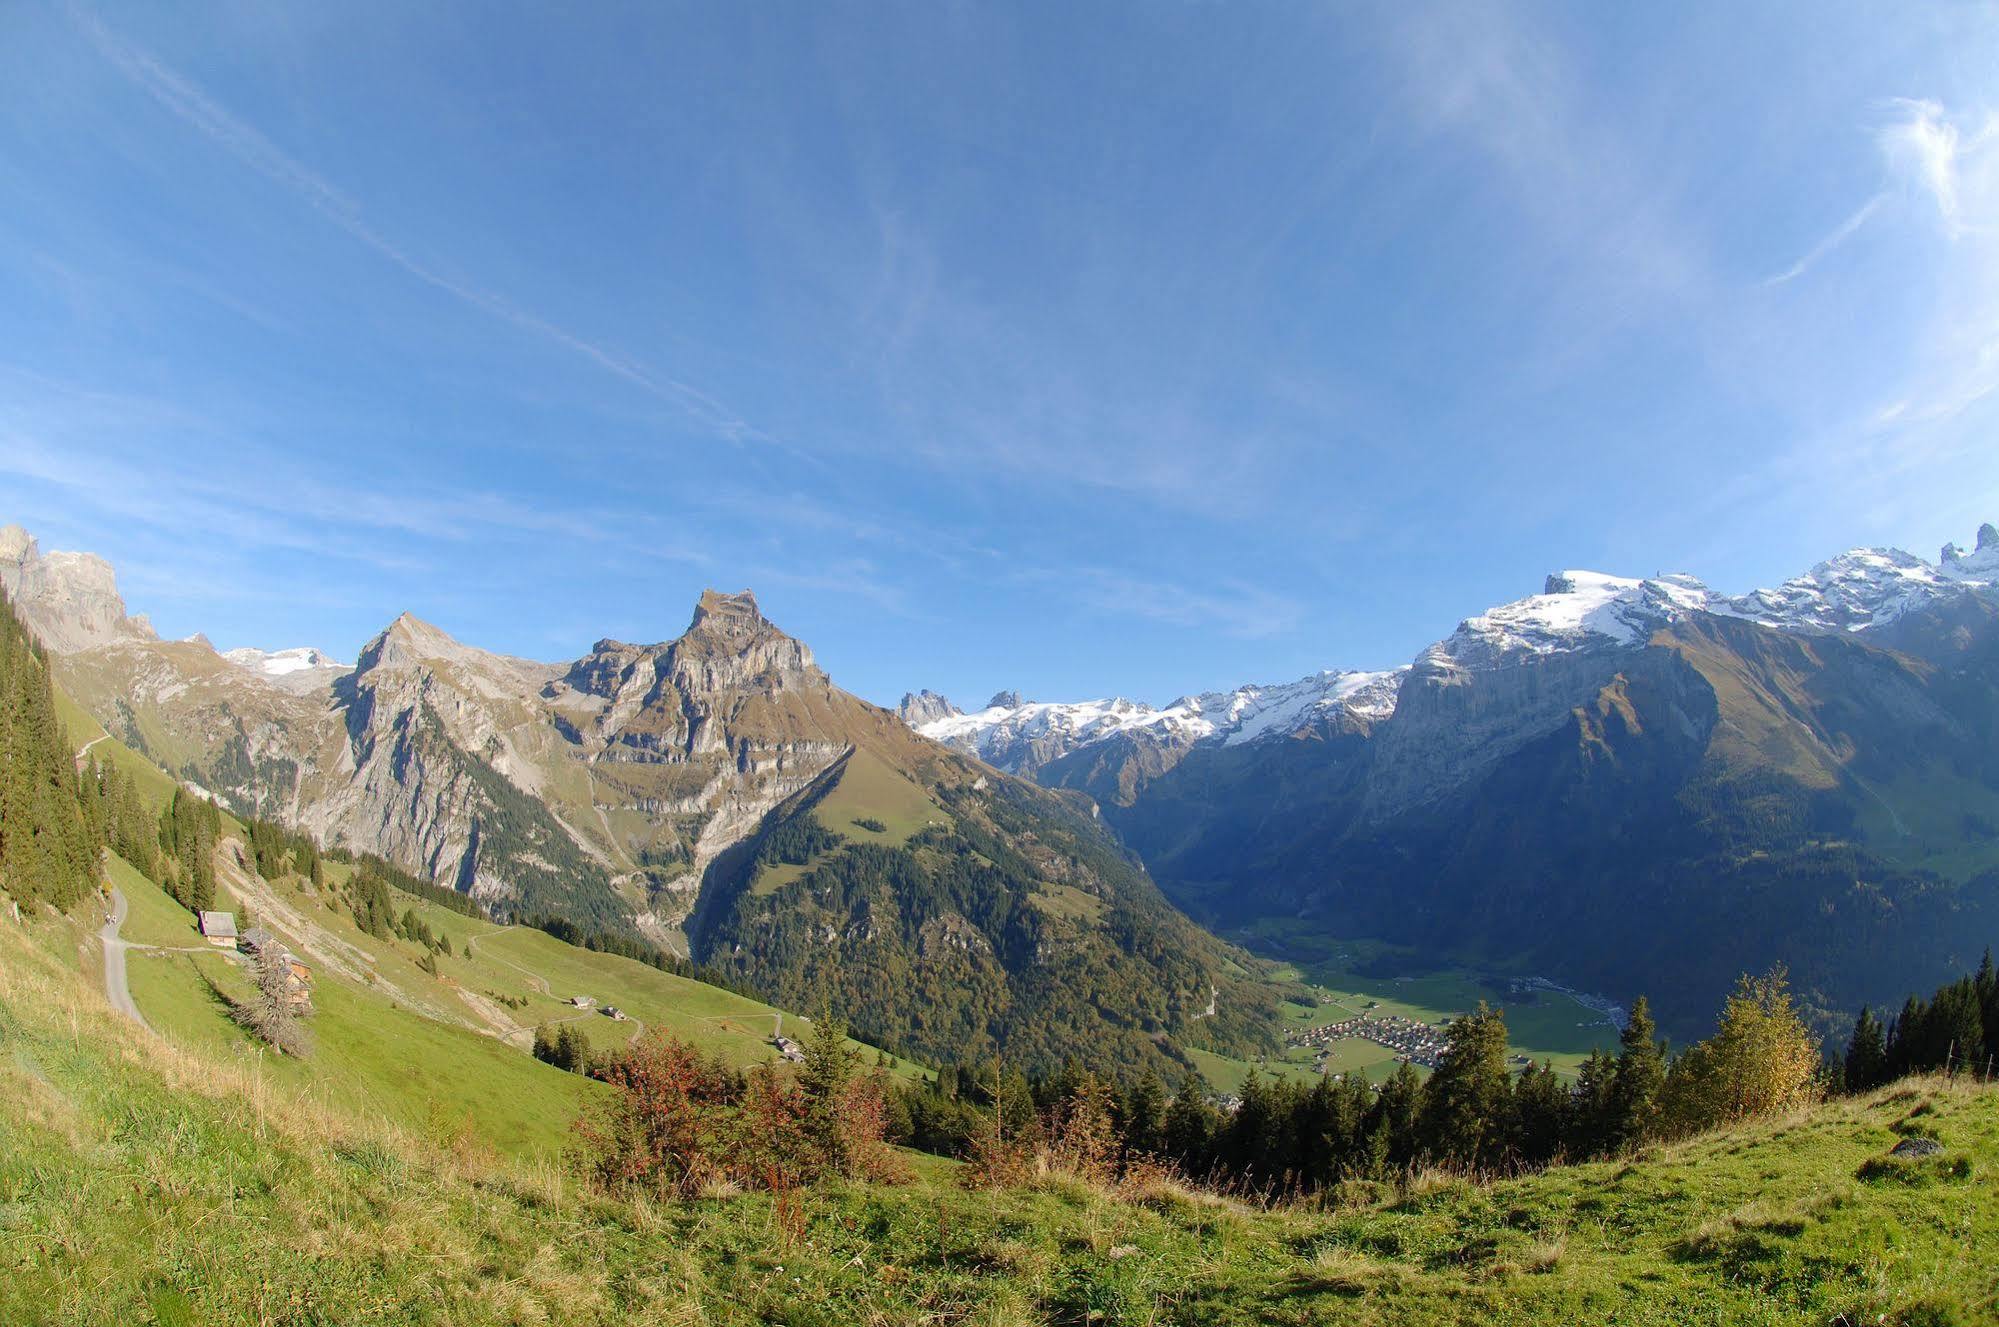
x=704, y=735
x=920, y=707
x=69, y=600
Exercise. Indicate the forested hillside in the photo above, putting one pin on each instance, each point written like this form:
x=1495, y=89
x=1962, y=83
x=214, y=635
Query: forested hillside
x=50, y=831
x=992, y=920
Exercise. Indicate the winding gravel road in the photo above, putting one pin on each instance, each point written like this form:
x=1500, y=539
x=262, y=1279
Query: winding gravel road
x=115, y=985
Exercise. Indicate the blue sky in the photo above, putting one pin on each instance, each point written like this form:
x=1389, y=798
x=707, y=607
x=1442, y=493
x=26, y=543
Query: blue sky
x=1081, y=349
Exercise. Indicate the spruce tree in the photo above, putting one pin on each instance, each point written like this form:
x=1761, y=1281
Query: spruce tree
x=1540, y=1115
x=1142, y=1118
x=1635, y=1082
x=1466, y=1103
x=829, y=1065
x=1866, y=1054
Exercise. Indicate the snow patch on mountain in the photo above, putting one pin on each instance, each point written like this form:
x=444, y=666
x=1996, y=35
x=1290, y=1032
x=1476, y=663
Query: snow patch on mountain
x=1860, y=588
x=1011, y=732
x=279, y=663
x=1575, y=610
x=1857, y=590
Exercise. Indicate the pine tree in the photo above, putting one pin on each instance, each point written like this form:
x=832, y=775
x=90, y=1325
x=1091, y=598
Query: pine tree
x=49, y=841
x=1142, y=1117
x=1394, y=1135
x=1190, y=1127
x=270, y=1012
x=829, y=1064
x=1466, y=1103
x=1866, y=1054
x=1540, y=1115
x=1591, y=1113
x=1635, y=1082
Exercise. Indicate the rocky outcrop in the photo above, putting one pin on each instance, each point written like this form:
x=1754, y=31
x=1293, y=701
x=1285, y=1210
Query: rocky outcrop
x=69, y=600
x=920, y=707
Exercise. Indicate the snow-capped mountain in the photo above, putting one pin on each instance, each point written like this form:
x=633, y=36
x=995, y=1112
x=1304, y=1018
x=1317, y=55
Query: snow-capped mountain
x=300, y=668
x=1577, y=611
x=1870, y=587
x=1024, y=735
x=277, y=663
x=1857, y=590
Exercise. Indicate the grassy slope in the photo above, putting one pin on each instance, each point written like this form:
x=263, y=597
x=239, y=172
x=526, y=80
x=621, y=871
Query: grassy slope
x=734, y=1027
x=374, y=1053
x=869, y=788
x=154, y=784
x=144, y=1182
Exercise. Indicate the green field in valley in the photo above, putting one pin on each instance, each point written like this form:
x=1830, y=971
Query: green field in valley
x=1337, y=981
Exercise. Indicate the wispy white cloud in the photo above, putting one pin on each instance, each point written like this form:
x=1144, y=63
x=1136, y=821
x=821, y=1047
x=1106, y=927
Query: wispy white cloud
x=186, y=100
x=1951, y=160
x=1839, y=235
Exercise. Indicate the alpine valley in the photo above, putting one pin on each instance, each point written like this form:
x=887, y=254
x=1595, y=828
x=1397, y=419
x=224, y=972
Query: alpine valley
x=1624, y=784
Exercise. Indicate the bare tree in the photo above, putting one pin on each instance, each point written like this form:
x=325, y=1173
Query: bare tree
x=270, y=1012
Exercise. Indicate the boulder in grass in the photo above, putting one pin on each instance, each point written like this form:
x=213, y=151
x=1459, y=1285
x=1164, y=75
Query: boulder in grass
x=1917, y=1147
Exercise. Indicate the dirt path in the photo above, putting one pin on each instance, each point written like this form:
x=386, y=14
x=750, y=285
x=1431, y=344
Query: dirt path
x=116, y=987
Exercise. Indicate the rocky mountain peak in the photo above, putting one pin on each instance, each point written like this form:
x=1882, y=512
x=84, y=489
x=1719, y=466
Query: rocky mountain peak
x=728, y=615
x=920, y=707
x=17, y=545
x=1005, y=700
x=69, y=600
x=731, y=645
x=1988, y=536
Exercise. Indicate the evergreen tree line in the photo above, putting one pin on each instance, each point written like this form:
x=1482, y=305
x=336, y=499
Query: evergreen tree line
x=190, y=827
x=51, y=835
x=428, y=890
x=1284, y=1137
x=565, y=1047
x=374, y=911
x=279, y=851
x=1956, y=1029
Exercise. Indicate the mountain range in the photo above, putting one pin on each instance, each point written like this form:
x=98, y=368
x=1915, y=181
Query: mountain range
x=685, y=792
x=1623, y=784
x=1626, y=783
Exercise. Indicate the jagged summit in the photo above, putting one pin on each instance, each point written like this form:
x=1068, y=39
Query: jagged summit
x=730, y=644
x=921, y=707
x=1022, y=736
x=717, y=611
x=69, y=600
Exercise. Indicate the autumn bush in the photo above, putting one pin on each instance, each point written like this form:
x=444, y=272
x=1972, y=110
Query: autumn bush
x=679, y=1125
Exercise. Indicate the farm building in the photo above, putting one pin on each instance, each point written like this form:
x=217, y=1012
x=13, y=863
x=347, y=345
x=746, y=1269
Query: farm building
x=219, y=928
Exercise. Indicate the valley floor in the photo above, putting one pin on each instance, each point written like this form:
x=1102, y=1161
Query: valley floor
x=147, y=1180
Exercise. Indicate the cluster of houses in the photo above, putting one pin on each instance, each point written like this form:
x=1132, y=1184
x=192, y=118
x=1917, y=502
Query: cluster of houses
x=219, y=929
x=1412, y=1040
